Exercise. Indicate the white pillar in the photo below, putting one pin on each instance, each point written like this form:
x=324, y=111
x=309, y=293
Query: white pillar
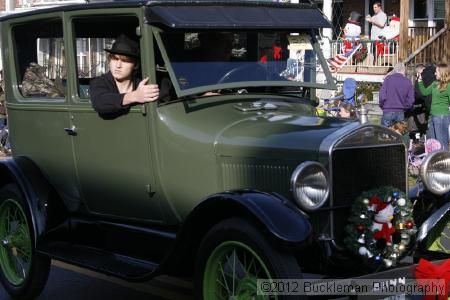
x=10, y=5
x=327, y=32
x=430, y=14
x=366, y=24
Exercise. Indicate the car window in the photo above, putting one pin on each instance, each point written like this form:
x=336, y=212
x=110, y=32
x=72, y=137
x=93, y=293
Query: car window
x=200, y=59
x=91, y=61
x=93, y=35
x=40, y=63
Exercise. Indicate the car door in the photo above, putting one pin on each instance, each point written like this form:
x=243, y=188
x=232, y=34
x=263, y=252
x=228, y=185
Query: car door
x=112, y=155
x=38, y=101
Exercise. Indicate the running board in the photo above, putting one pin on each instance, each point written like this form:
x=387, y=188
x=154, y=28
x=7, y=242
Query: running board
x=116, y=265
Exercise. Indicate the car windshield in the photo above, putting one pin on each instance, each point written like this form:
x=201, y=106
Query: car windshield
x=241, y=59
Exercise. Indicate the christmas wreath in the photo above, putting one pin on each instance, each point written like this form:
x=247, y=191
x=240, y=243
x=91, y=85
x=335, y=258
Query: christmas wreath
x=380, y=227
x=361, y=54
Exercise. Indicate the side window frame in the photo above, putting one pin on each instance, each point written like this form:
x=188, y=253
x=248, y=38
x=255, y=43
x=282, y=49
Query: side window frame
x=11, y=59
x=70, y=32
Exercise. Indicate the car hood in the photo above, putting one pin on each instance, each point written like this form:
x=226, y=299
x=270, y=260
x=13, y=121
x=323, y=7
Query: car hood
x=276, y=135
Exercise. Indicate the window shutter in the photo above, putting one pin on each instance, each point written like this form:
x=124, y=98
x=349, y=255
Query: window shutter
x=439, y=9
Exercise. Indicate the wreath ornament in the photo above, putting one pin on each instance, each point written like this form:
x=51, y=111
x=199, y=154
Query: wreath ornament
x=380, y=227
x=360, y=54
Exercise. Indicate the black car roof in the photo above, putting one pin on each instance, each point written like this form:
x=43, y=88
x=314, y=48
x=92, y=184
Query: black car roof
x=233, y=14
x=236, y=15
x=88, y=5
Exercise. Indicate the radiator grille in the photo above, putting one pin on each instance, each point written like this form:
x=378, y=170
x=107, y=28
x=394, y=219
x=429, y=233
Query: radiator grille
x=265, y=177
x=360, y=169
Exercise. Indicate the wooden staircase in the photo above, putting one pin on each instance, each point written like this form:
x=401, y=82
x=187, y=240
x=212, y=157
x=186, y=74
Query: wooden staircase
x=436, y=49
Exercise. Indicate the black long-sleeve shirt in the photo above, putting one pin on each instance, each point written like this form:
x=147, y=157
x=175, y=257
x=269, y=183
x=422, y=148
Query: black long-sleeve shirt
x=105, y=96
x=107, y=100
x=428, y=77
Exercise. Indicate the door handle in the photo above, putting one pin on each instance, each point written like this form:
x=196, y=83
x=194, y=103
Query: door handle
x=144, y=109
x=71, y=131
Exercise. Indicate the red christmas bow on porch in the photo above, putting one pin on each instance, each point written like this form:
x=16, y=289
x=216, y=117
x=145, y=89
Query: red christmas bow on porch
x=426, y=271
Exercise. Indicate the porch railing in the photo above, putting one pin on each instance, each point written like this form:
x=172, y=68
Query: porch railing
x=373, y=57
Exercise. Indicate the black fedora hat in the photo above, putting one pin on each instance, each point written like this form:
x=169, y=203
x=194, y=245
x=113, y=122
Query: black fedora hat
x=125, y=46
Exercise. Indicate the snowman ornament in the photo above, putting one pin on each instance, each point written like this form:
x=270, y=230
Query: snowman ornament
x=352, y=31
x=382, y=227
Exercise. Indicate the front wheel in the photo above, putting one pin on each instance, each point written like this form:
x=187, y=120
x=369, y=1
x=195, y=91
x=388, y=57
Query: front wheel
x=23, y=272
x=233, y=256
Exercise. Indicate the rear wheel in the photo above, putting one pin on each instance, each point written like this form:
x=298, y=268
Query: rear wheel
x=23, y=272
x=233, y=256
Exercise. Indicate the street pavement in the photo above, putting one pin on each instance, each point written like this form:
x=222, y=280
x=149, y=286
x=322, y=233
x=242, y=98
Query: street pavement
x=74, y=283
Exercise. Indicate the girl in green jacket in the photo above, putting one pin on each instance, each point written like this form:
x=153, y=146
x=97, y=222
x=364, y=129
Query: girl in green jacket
x=439, y=114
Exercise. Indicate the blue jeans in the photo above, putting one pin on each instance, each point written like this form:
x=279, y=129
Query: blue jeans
x=391, y=117
x=438, y=129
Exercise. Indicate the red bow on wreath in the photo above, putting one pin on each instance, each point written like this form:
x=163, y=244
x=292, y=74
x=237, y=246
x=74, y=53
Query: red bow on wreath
x=426, y=271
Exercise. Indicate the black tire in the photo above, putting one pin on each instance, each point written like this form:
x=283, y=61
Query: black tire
x=279, y=264
x=33, y=282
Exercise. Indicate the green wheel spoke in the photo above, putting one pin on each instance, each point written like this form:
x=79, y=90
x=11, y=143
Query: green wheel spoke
x=14, y=216
x=7, y=223
x=233, y=260
x=234, y=270
x=16, y=256
x=24, y=254
x=224, y=278
x=252, y=265
x=257, y=271
x=245, y=263
x=20, y=267
x=13, y=227
x=8, y=220
x=221, y=283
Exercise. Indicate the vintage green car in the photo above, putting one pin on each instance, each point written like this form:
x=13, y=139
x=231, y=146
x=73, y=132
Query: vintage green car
x=249, y=183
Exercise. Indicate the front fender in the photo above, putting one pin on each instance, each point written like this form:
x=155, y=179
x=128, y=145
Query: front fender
x=282, y=219
x=34, y=186
x=276, y=216
x=432, y=221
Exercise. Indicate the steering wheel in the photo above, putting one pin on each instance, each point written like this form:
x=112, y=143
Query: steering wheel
x=252, y=72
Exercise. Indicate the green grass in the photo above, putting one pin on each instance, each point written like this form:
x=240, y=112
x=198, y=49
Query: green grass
x=411, y=180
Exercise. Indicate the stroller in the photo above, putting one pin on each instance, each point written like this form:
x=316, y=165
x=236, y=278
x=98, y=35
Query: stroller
x=348, y=98
x=418, y=151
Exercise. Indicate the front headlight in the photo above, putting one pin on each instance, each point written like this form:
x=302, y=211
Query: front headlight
x=435, y=172
x=309, y=184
